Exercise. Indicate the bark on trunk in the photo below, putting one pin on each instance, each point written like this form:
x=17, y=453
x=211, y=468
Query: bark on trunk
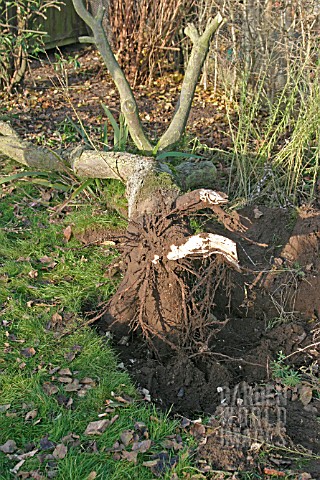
x=201, y=45
x=144, y=177
x=162, y=293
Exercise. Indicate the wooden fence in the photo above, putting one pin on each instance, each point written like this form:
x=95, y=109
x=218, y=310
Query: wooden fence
x=64, y=27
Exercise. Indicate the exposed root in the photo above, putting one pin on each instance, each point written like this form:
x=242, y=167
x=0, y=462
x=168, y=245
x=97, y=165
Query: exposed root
x=170, y=301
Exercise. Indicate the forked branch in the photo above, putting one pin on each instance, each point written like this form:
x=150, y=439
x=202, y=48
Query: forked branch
x=200, y=49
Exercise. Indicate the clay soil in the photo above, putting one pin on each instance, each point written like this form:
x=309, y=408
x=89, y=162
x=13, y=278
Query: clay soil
x=271, y=306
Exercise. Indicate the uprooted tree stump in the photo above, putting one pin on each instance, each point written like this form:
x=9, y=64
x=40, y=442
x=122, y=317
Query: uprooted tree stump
x=170, y=275
x=165, y=291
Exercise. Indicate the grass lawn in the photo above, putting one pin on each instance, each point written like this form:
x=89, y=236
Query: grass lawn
x=57, y=376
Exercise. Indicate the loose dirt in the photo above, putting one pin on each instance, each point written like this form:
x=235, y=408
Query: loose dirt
x=271, y=306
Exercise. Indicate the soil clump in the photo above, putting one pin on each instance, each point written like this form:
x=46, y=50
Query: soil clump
x=268, y=310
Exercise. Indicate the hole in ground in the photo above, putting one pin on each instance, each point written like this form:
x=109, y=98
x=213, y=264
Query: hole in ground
x=274, y=308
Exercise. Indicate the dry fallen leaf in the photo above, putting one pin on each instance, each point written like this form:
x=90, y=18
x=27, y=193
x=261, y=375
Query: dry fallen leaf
x=141, y=447
x=4, y=408
x=76, y=348
x=60, y=451
x=24, y=456
x=73, y=386
x=17, y=467
x=48, y=266
x=108, y=243
x=126, y=437
x=97, y=428
x=257, y=213
x=54, y=370
x=305, y=394
x=28, y=352
x=49, y=388
x=121, y=399
x=130, y=456
x=88, y=381
x=146, y=394
x=197, y=430
x=82, y=392
x=92, y=476
x=65, y=401
x=70, y=356
x=13, y=338
x=45, y=259
x=151, y=463
x=9, y=447
x=272, y=472
x=278, y=261
x=113, y=419
x=256, y=447
x=168, y=444
x=46, y=444
x=65, y=379
x=23, y=259
x=175, y=477
x=65, y=371
x=140, y=426
x=67, y=232
x=46, y=195
x=117, y=447
x=33, y=274
x=56, y=319
x=37, y=476
x=31, y=415
x=23, y=475
x=305, y=476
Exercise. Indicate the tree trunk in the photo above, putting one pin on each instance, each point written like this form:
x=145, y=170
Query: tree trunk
x=169, y=278
x=155, y=294
x=168, y=289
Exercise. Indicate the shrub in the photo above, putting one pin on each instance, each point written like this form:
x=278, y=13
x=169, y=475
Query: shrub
x=20, y=37
x=146, y=35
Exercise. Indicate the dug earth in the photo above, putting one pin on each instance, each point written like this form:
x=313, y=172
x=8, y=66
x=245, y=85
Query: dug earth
x=268, y=309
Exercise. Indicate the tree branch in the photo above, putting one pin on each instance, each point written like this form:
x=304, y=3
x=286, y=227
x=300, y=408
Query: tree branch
x=143, y=176
x=84, y=163
x=87, y=40
x=24, y=152
x=198, y=199
x=128, y=104
x=201, y=44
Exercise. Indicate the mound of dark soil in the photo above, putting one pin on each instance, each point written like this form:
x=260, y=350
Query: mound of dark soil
x=272, y=306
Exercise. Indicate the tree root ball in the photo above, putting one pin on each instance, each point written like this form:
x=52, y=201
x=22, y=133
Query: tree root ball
x=168, y=301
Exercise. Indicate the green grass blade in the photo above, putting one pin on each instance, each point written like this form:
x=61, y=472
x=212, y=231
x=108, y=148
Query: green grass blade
x=163, y=155
x=82, y=187
x=16, y=176
x=112, y=120
x=81, y=131
x=105, y=135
